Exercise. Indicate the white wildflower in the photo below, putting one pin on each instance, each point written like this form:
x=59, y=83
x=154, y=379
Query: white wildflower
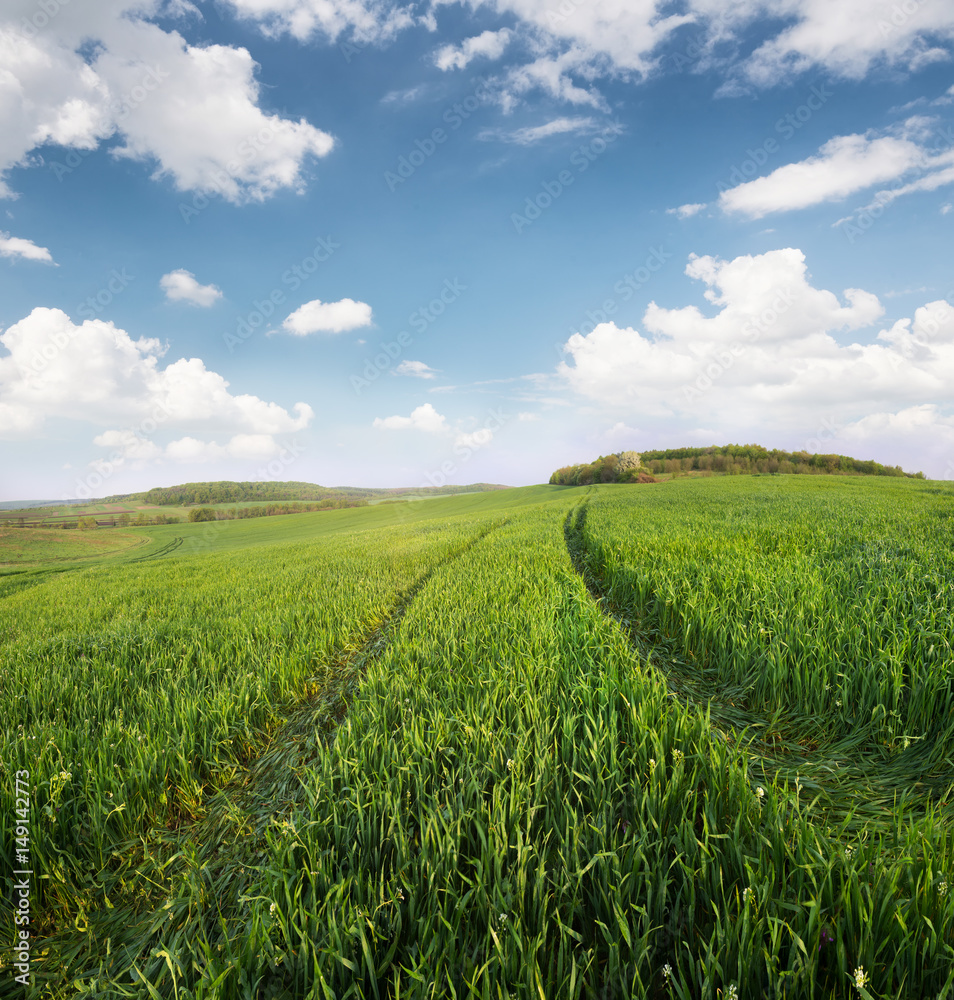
x=861, y=978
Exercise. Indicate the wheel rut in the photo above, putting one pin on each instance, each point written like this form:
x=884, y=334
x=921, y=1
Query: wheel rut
x=220, y=852
x=833, y=775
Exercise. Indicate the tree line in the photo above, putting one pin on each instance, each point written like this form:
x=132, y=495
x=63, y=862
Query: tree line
x=729, y=460
x=268, y=510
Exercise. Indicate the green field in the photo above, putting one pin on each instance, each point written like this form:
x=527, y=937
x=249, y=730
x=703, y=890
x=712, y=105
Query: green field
x=690, y=740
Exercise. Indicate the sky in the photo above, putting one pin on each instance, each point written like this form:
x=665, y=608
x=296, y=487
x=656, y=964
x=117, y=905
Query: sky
x=428, y=242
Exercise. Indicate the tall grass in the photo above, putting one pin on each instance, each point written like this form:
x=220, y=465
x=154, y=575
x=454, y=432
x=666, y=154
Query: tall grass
x=518, y=802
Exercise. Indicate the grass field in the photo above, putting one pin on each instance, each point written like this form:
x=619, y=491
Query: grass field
x=688, y=740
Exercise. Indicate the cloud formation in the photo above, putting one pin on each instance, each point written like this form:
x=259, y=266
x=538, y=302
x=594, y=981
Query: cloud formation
x=180, y=286
x=416, y=368
x=15, y=246
x=328, y=317
x=527, y=136
x=191, y=112
x=843, y=165
x=488, y=44
x=423, y=418
x=771, y=355
x=96, y=373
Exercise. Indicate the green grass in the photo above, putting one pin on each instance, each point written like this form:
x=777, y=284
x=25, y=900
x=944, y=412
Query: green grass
x=19, y=546
x=500, y=744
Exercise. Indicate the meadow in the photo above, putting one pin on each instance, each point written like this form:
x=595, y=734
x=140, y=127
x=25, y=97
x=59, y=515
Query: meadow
x=689, y=739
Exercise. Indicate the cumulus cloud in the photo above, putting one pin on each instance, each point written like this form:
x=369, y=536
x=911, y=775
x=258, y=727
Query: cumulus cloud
x=96, y=373
x=181, y=286
x=416, y=368
x=191, y=112
x=328, y=317
x=767, y=353
x=489, y=44
x=14, y=246
x=424, y=418
x=772, y=353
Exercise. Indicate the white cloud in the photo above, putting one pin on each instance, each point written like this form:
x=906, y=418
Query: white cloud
x=535, y=133
x=847, y=38
x=250, y=447
x=407, y=96
x=132, y=447
x=424, y=418
x=488, y=44
x=842, y=166
x=771, y=339
x=180, y=286
x=415, y=368
x=191, y=111
x=686, y=211
x=328, y=317
x=767, y=357
x=14, y=246
x=474, y=440
x=96, y=373
x=362, y=20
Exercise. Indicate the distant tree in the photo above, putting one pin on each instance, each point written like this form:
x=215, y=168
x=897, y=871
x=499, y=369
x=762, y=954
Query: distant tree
x=626, y=460
x=202, y=514
x=86, y=523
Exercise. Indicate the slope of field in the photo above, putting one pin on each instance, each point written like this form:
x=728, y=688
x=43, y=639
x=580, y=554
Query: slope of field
x=42, y=545
x=555, y=742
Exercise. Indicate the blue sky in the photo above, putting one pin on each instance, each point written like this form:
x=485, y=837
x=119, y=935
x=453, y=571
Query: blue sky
x=358, y=242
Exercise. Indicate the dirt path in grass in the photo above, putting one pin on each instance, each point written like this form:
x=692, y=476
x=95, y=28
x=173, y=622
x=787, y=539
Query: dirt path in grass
x=218, y=855
x=840, y=771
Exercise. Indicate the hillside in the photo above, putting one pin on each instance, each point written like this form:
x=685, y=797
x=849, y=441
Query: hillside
x=232, y=492
x=727, y=460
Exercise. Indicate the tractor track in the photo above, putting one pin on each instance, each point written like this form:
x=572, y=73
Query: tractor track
x=833, y=774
